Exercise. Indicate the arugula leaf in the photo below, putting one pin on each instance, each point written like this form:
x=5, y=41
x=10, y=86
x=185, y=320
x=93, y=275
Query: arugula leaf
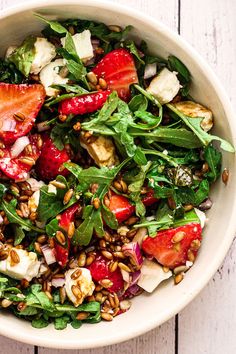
x=138, y=103
x=61, y=322
x=52, y=227
x=109, y=217
x=133, y=49
x=9, y=72
x=23, y=56
x=3, y=190
x=184, y=76
x=13, y=217
x=148, y=118
x=55, y=26
x=39, y=323
x=214, y=158
x=51, y=204
x=19, y=234
x=202, y=192
x=178, y=137
x=195, y=125
x=39, y=297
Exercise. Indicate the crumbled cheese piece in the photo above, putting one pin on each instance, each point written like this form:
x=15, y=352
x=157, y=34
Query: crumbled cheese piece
x=101, y=149
x=27, y=268
x=83, y=45
x=152, y=274
x=122, y=230
x=44, y=53
x=83, y=283
x=34, y=184
x=164, y=86
x=50, y=75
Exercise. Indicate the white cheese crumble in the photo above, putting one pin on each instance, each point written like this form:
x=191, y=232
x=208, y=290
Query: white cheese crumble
x=50, y=75
x=164, y=86
x=10, y=50
x=83, y=45
x=152, y=275
x=83, y=282
x=202, y=217
x=44, y=53
x=27, y=268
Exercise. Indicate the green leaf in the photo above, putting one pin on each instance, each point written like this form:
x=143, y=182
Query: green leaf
x=139, y=156
x=175, y=64
x=61, y=322
x=73, y=168
x=52, y=228
x=202, y=192
x=3, y=190
x=138, y=103
x=148, y=118
x=189, y=217
x=178, y=137
x=9, y=72
x=133, y=49
x=10, y=210
x=51, y=204
x=214, y=158
x=19, y=234
x=195, y=125
x=37, y=296
x=55, y=26
x=24, y=55
x=109, y=218
x=76, y=324
x=39, y=323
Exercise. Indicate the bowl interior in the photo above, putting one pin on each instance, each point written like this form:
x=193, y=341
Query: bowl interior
x=147, y=311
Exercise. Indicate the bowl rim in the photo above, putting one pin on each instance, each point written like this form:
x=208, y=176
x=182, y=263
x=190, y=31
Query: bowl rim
x=228, y=237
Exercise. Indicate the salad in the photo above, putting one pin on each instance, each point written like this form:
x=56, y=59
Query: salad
x=106, y=164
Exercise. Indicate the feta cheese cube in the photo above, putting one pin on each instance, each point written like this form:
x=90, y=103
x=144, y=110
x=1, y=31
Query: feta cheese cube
x=152, y=275
x=164, y=86
x=101, y=149
x=83, y=45
x=44, y=53
x=27, y=268
x=50, y=75
x=81, y=279
x=196, y=110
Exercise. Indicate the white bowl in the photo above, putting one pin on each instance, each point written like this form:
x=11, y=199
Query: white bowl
x=147, y=311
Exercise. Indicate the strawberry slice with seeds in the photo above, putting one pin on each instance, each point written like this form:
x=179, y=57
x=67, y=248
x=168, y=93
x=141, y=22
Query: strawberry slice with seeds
x=118, y=69
x=19, y=107
x=83, y=104
x=68, y=216
x=100, y=270
x=121, y=207
x=50, y=163
x=17, y=168
x=173, y=247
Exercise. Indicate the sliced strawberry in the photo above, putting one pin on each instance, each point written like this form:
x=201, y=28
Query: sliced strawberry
x=84, y=104
x=18, y=167
x=50, y=163
x=149, y=198
x=118, y=69
x=62, y=252
x=19, y=106
x=170, y=253
x=99, y=270
x=121, y=207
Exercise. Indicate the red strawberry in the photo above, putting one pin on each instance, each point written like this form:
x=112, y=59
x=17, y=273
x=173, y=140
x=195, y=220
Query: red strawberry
x=119, y=71
x=121, y=207
x=84, y=104
x=99, y=270
x=18, y=167
x=19, y=106
x=149, y=198
x=170, y=253
x=51, y=161
x=62, y=252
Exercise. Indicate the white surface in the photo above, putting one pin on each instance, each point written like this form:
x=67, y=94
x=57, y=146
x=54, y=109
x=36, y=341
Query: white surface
x=208, y=324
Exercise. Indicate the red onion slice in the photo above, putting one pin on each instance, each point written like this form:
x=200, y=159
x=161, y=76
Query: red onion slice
x=49, y=254
x=19, y=146
x=58, y=282
x=133, y=251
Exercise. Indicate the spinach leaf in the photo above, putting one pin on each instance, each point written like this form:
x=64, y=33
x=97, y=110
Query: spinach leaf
x=61, y=322
x=184, y=76
x=39, y=323
x=23, y=56
x=195, y=125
